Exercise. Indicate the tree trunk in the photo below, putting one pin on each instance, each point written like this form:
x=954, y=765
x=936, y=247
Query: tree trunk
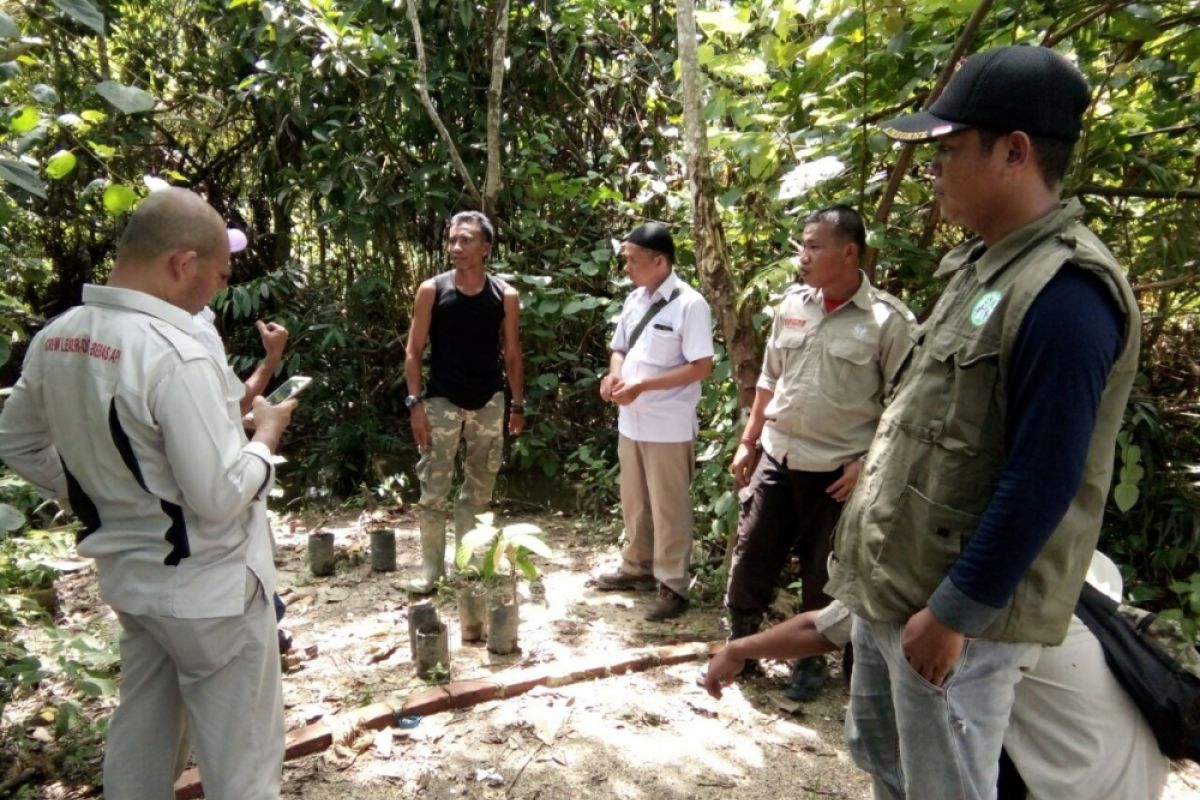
x=712, y=258
x=492, y=182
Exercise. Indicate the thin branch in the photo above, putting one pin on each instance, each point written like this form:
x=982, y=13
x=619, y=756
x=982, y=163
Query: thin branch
x=1169, y=283
x=1052, y=37
x=1137, y=193
x=423, y=91
x=492, y=180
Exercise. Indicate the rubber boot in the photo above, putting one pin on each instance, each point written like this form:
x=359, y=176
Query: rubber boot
x=433, y=561
x=807, y=681
x=742, y=624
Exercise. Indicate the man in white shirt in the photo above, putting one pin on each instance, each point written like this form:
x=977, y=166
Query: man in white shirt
x=124, y=417
x=661, y=351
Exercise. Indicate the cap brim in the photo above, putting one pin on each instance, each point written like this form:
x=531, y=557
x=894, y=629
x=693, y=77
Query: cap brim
x=920, y=127
x=237, y=240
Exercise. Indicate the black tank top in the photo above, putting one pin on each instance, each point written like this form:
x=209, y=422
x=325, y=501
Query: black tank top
x=464, y=343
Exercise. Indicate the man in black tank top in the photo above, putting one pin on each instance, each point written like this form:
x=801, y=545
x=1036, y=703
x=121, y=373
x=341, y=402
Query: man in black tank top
x=470, y=320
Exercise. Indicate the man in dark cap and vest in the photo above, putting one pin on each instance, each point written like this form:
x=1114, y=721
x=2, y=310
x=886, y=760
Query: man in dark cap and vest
x=661, y=351
x=965, y=544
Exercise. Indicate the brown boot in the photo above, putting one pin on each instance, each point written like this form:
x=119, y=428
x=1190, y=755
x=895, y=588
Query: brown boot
x=614, y=581
x=666, y=605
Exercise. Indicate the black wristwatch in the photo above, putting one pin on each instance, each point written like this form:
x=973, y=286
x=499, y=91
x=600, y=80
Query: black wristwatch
x=412, y=400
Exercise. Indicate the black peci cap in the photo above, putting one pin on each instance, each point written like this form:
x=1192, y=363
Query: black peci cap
x=1016, y=88
x=653, y=236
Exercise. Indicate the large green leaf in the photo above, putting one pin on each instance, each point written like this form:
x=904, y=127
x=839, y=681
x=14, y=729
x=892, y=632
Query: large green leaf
x=83, y=12
x=60, y=165
x=25, y=121
x=118, y=199
x=21, y=175
x=129, y=99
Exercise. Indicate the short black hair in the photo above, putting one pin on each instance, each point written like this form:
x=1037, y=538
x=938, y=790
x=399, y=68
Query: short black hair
x=846, y=222
x=476, y=218
x=1053, y=155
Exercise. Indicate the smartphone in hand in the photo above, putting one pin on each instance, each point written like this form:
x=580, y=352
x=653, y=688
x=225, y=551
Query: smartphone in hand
x=289, y=389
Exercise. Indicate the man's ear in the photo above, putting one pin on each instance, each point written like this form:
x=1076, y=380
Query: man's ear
x=1019, y=151
x=182, y=264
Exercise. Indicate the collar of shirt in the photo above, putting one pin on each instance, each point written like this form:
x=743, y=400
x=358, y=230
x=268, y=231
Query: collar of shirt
x=860, y=298
x=1012, y=246
x=664, y=289
x=133, y=300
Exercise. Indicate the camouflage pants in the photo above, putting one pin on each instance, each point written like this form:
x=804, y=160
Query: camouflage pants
x=483, y=433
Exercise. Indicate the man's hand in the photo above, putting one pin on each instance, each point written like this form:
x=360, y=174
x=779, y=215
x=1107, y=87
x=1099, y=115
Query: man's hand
x=723, y=668
x=625, y=392
x=271, y=421
x=274, y=339
x=606, y=387
x=744, y=462
x=422, y=433
x=841, y=488
x=516, y=421
x=932, y=648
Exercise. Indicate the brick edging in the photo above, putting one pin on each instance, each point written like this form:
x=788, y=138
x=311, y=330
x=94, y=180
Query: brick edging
x=463, y=694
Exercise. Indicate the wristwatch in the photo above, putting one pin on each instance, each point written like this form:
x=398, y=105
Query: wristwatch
x=412, y=400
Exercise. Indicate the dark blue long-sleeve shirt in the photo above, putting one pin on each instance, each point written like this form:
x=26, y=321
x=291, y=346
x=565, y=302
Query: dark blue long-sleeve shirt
x=1064, y=350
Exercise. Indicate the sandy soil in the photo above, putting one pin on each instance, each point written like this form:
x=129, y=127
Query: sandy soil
x=653, y=735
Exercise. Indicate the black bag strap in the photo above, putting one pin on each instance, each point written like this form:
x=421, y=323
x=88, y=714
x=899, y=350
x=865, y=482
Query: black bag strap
x=655, y=307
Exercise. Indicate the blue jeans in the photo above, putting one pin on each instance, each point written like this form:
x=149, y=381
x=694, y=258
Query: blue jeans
x=924, y=742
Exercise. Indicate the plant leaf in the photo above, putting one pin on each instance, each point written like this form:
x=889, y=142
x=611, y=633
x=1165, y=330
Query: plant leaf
x=527, y=567
x=8, y=27
x=10, y=518
x=61, y=164
x=83, y=12
x=21, y=175
x=129, y=99
x=531, y=543
x=44, y=94
x=1125, y=495
x=473, y=540
x=118, y=199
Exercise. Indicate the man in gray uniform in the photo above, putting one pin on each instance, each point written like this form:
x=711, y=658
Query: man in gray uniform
x=126, y=419
x=835, y=343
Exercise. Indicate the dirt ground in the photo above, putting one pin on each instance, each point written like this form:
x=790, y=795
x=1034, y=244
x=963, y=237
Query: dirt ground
x=652, y=735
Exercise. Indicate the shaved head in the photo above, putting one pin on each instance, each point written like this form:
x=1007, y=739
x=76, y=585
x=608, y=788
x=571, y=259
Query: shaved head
x=169, y=220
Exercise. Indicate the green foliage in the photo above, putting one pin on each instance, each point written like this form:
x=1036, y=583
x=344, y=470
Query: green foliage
x=506, y=551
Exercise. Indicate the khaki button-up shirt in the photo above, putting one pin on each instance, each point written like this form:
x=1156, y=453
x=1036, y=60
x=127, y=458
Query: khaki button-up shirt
x=829, y=374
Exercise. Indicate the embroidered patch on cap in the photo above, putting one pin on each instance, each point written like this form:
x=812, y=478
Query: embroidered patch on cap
x=984, y=307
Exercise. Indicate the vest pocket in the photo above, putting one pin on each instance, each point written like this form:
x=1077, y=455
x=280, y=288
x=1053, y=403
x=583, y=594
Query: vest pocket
x=921, y=546
x=969, y=370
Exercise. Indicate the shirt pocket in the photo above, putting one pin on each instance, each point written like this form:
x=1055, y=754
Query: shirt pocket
x=850, y=373
x=964, y=372
x=664, y=348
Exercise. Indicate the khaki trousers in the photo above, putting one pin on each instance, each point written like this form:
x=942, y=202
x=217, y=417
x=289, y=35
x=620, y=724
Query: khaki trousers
x=656, y=503
x=214, y=681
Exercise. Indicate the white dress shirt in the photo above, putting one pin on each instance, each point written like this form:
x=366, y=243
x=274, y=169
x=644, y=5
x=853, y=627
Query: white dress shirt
x=147, y=425
x=680, y=333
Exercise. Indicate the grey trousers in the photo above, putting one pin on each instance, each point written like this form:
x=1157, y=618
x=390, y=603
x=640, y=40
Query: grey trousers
x=656, y=503
x=214, y=681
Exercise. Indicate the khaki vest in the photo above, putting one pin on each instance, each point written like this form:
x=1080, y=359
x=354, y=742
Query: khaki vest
x=939, y=450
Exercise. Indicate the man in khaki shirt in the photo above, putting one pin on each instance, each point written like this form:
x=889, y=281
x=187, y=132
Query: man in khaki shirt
x=835, y=344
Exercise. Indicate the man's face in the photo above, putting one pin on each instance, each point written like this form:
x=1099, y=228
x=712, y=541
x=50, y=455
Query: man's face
x=643, y=265
x=467, y=245
x=826, y=258
x=965, y=178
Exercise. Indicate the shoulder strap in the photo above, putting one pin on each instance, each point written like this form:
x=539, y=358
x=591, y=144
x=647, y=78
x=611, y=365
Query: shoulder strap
x=655, y=307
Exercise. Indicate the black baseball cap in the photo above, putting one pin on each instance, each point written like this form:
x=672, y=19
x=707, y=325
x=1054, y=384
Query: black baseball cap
x=1015, y=88
x=653, y=236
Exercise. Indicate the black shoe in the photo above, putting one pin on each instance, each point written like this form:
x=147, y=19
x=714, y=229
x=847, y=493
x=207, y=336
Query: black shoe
x=617, y=581
x=807, y=681
x=666, y=605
